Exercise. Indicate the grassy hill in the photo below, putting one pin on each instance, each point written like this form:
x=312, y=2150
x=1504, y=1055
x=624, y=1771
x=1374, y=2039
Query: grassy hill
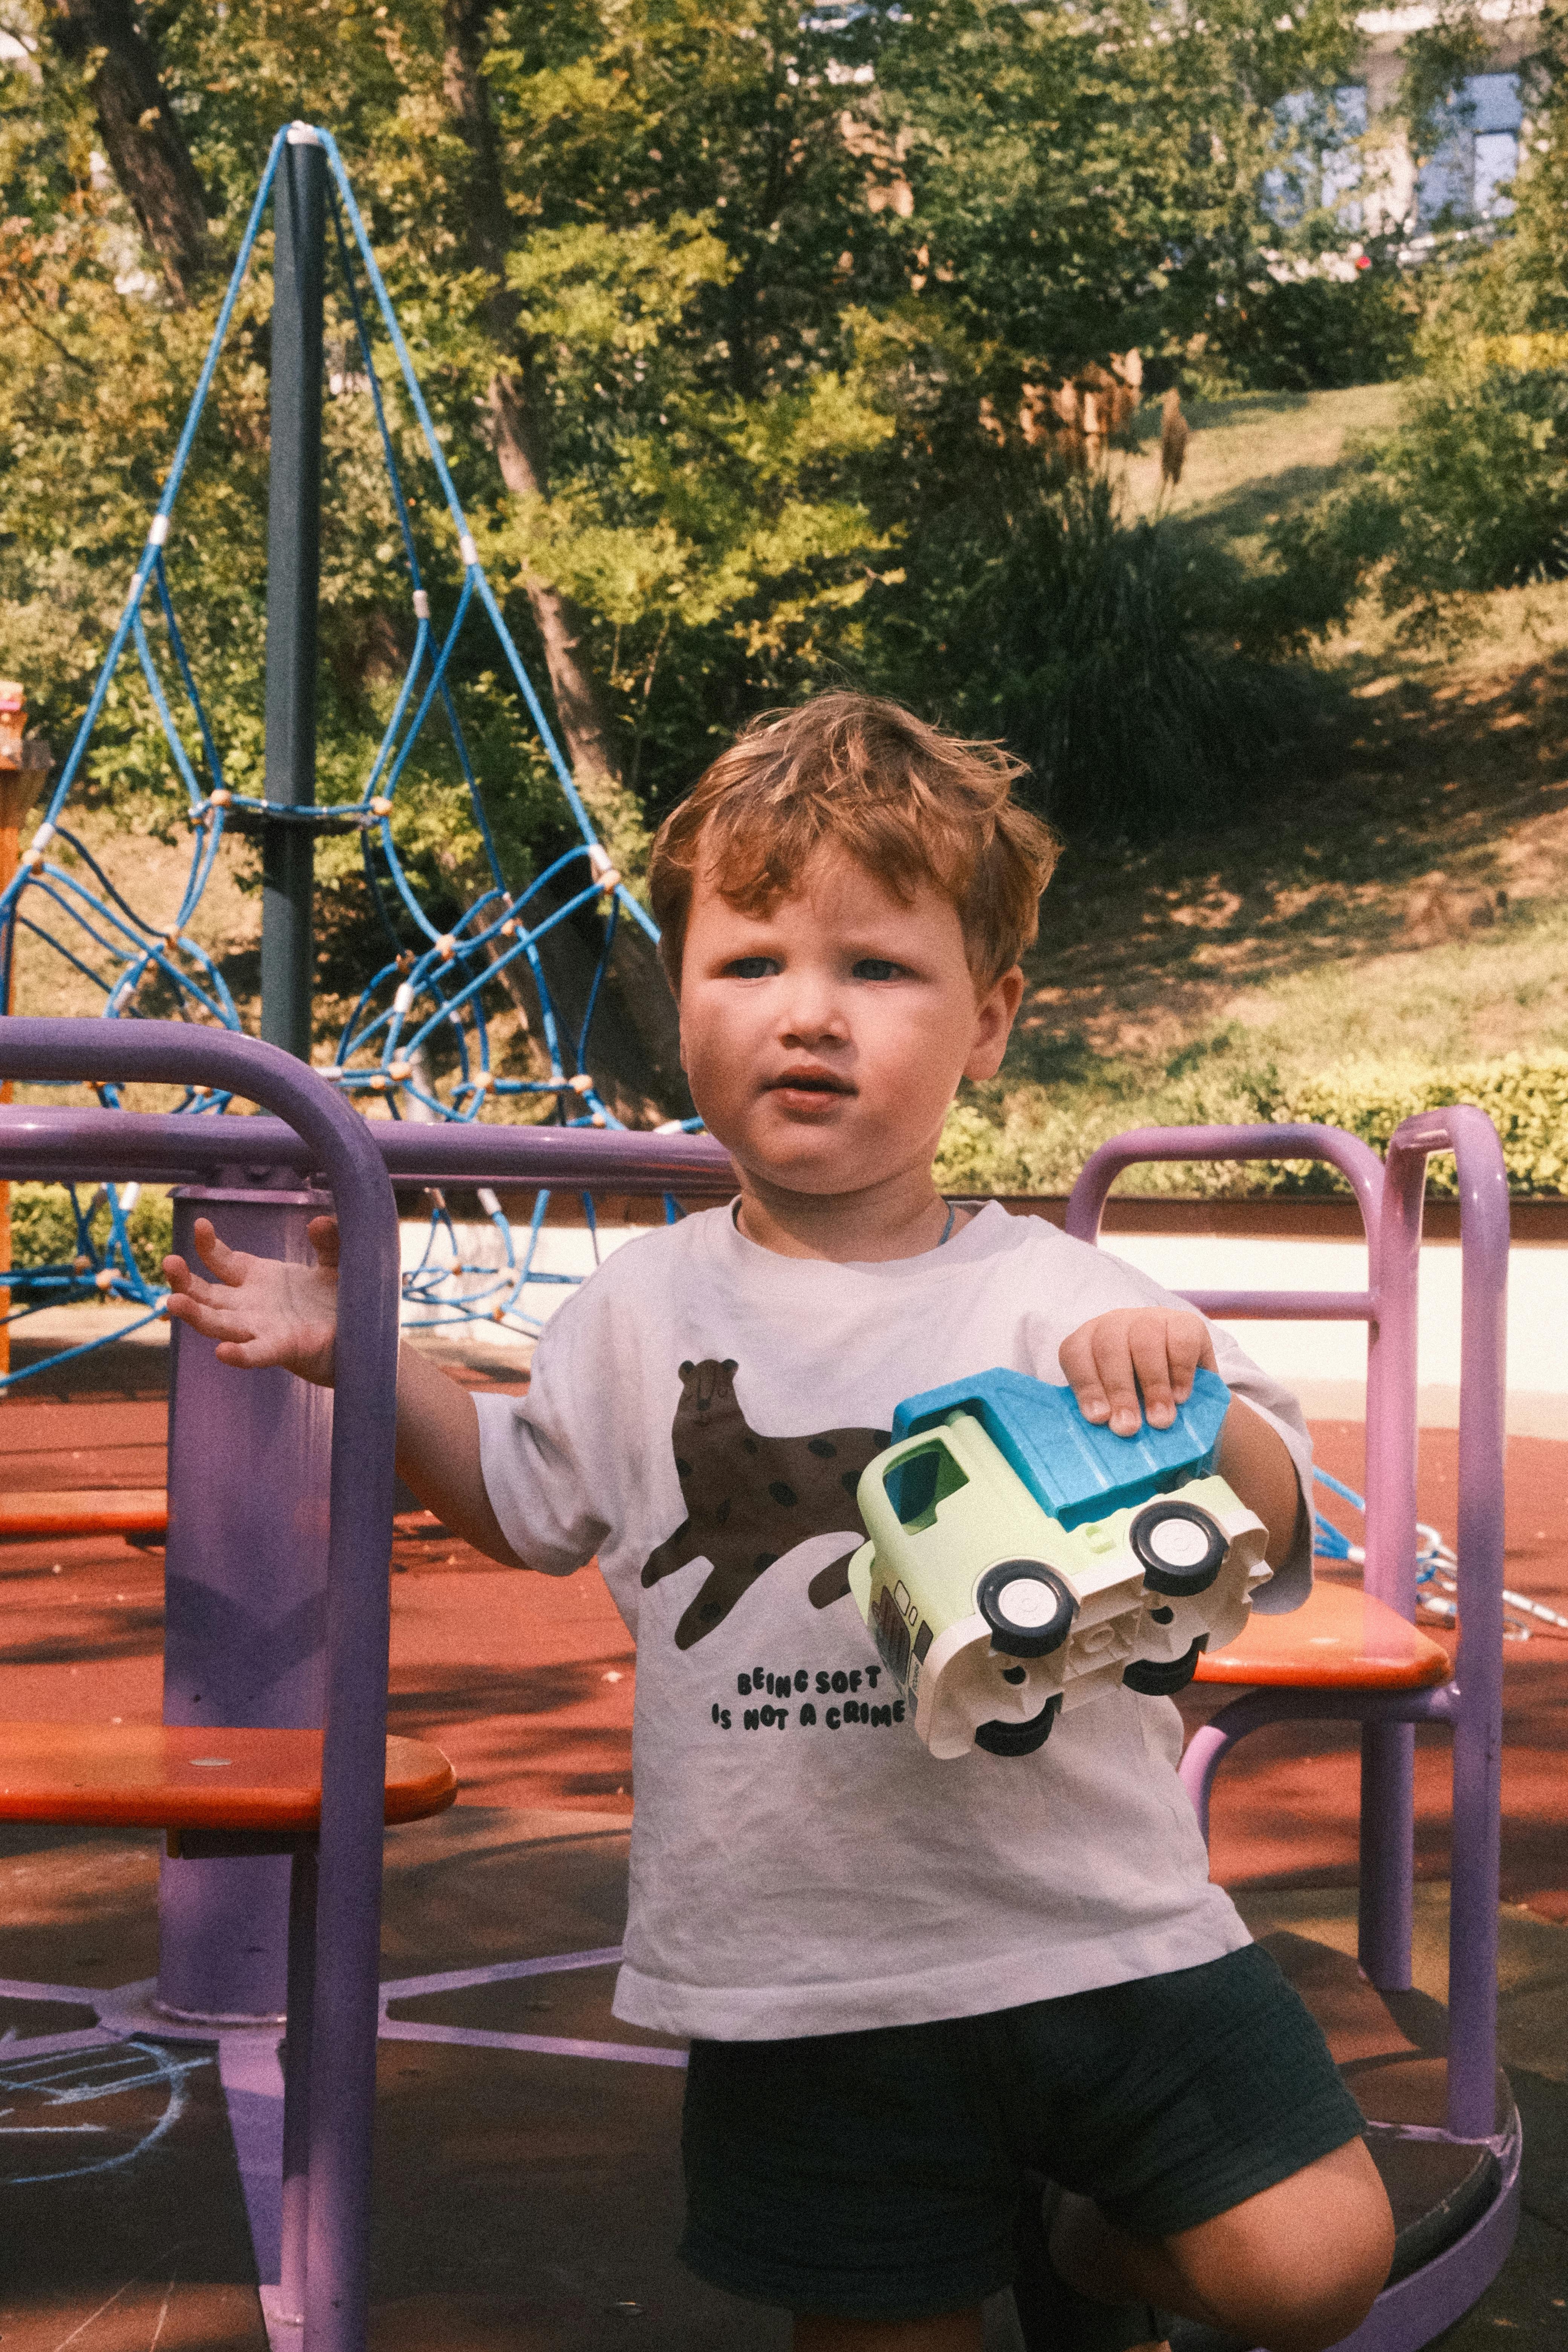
x=1400, y=915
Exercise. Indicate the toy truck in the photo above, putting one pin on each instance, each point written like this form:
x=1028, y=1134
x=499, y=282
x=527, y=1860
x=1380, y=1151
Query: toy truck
x=1022, y=1559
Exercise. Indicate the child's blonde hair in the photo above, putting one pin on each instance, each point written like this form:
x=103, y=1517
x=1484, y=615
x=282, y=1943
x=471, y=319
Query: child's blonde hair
x=851, y=772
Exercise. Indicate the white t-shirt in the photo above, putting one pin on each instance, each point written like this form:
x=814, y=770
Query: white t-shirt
x=699, y=1415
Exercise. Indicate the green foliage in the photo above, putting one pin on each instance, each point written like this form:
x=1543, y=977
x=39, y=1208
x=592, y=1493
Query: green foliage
x=1526, y=1099
x=771, y=282
x=44, y=1231
x=1079, y=636
x=1032, y=1143
x=1313, y=328
x=1469, y=494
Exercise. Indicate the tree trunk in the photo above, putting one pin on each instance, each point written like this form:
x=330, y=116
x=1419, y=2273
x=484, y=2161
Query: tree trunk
x=519, y=443
x=588, y=744
x=520, y=454
x=141, y=132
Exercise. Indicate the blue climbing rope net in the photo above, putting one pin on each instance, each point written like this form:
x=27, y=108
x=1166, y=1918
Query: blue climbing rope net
x=1437, y=1570
x=430, y=1005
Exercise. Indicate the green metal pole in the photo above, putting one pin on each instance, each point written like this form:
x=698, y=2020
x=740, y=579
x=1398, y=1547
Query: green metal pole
x=294, y=587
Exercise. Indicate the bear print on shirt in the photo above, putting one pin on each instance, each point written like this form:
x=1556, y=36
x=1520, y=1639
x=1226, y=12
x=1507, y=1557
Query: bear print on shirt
x=750, y=1500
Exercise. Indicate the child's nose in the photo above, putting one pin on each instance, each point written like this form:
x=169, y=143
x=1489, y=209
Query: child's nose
x=811, y=1011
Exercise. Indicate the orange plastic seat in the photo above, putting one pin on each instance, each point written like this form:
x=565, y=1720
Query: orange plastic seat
x=175, y=1777
x=89, y=1511
x=1342, y=1639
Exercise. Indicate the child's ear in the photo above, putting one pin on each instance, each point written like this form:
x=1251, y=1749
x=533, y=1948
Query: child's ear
x=996, y=1008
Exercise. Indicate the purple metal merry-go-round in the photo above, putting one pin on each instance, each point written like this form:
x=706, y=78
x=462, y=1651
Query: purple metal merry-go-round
x=291, y=1629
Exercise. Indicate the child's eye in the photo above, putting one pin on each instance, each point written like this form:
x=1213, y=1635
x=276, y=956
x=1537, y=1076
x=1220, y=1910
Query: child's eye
x=875, y=968
x=755, y=967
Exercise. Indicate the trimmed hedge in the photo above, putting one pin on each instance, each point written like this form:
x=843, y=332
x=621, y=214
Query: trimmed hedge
x=1039, y=1146
x=43, y=1230
x=1526, y=1100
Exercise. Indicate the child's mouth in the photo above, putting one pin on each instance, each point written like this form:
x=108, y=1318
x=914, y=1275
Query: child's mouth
x=817, y=1084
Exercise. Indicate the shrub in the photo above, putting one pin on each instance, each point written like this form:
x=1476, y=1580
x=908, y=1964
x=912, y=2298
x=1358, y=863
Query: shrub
x=1316, y=329
x=44, y=1232
x=1088, y=642
x=1036, y=1145
x=1526, y=1100
x=1469, y=494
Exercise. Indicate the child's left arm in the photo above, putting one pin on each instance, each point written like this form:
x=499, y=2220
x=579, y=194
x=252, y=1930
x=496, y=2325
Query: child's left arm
x=1156, y=1350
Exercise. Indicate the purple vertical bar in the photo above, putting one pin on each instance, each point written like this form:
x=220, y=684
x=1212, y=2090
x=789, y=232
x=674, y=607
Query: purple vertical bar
x=342, y=2086
x=244, y=1604
x=297, y=2049
x=1386, y=1915
x=1390, y=1428
x=1386, y=1909
x=348, y=1953
x=1475, y=1865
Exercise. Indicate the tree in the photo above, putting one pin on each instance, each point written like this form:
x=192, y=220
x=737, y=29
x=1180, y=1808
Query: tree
x=740, y=326
x=141, y=132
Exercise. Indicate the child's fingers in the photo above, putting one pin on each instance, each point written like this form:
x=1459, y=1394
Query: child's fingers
x=189, y=1285
x=323, y=1236
x=213, y=1322
x=1135, y=1360
x=1148, y=1346
x=228, y=1264
x=1076, y=1356
x=1188, y=1344
x=1114, y=1362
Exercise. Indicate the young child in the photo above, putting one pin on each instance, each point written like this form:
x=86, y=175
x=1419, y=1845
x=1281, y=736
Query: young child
x=909, y=1985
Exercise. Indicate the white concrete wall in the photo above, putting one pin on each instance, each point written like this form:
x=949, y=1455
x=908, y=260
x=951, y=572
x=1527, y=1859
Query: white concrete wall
x=1325, y=1363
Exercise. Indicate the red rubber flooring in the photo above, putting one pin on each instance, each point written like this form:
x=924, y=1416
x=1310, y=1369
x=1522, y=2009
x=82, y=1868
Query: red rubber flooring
x=527, y=1682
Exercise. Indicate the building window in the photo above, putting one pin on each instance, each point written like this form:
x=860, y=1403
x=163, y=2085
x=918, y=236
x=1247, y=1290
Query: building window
x=1322, y=169
x=1479, y=156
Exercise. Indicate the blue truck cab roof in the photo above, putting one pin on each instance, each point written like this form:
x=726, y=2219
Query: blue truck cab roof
x=1074, y=1469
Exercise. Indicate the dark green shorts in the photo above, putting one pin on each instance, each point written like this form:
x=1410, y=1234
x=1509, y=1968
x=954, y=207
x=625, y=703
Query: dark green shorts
x=878, y=2175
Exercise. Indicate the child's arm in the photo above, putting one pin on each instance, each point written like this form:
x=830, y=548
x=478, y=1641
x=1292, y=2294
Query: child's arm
x=1157, y=1349
x=262, y=1312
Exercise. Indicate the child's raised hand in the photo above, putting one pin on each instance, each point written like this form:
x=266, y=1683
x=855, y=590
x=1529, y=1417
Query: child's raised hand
x=1154, y=1349
x=259, y=1310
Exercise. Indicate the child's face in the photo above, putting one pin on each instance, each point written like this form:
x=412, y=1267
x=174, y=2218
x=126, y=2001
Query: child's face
x=824, y=1040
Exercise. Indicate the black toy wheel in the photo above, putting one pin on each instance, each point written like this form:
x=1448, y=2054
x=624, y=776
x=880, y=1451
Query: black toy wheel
x=1028, y=1607
x=1155, y=1680
x=1180, y=1548
x=1020, y=1738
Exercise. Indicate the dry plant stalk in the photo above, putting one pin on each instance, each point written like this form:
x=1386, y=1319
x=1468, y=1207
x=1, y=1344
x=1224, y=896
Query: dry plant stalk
x=1174, y=434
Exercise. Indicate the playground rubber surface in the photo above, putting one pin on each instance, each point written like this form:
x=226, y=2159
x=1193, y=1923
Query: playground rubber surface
x=532, y=2201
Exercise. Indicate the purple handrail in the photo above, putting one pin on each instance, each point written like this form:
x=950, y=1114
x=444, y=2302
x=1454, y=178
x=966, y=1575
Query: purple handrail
x=1387, y=1906
x=342, y=1146
x=98, y=1146
x=1391, y=1319
x=1356, y=1161
x=1391, y=1198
